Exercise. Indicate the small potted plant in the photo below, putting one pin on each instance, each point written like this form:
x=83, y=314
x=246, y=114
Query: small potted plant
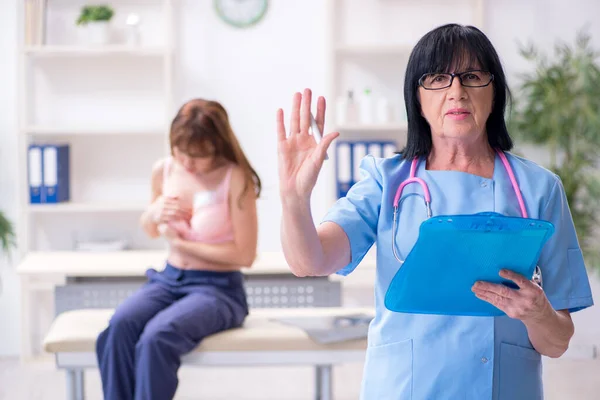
x=96, y=20
x=7, y=238
x=7, y=234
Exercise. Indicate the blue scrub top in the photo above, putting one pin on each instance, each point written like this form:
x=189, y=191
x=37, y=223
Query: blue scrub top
x=415, y=356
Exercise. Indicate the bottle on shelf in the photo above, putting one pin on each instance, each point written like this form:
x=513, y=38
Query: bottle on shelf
x=383, y=111
x=367, y=107
x=347, y=109
x=133, y=29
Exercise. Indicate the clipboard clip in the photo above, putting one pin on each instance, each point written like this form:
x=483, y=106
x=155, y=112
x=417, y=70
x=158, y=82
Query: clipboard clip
x=537, y=276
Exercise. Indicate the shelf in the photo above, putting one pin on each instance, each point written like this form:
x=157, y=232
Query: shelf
x=401, y=126
x=70, y=207
x=95, y=51
x=375, y=50
x=124, y=263
x=81, y=131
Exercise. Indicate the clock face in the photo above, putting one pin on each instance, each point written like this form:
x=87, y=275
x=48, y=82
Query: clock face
x=241, y=13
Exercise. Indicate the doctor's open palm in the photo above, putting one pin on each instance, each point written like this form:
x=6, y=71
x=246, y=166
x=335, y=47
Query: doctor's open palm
x=300, y=158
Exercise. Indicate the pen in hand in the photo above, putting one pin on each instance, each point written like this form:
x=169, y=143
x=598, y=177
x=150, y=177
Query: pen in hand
x=316, y=132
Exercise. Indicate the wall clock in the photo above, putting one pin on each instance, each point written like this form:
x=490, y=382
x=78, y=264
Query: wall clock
x=241, y=13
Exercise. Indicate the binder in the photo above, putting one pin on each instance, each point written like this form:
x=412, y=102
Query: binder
x=389, y=149
x=35, y=173
x=374, y=149
x=56, y=171
x=359, y=151
x=349, y=155
x=343, y=168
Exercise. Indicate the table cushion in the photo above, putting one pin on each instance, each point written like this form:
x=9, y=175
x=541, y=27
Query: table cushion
x=76, y=331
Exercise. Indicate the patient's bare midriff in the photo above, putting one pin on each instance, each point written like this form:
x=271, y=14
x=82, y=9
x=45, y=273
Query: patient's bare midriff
x=184, y=261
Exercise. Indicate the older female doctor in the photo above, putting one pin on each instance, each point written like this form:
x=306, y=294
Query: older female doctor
x=455, y=92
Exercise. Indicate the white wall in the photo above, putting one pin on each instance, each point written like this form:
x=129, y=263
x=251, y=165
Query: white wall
x=255, y=71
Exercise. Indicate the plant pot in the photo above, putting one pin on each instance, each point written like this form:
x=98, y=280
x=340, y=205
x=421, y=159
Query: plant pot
x=98, y=33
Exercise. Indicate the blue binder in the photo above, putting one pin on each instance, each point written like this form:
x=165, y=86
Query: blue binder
x=35, y=173
x=349, y=154
x=453, y=252
x=343, y=167
x=56, y=171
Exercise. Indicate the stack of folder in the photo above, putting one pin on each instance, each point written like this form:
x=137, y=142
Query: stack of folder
x=349, y=154
x=48, y=173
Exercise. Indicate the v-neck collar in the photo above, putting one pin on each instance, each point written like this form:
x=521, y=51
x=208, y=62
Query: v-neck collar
x=498, y=168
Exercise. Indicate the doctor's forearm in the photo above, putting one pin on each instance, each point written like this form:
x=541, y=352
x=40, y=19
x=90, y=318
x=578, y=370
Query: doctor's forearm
x=300, y=241
x=551, y=335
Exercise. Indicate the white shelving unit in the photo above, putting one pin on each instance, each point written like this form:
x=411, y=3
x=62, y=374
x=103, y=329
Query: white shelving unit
x=368, y=46
x=72, y=207
x=111, y=103
x=384, y=127
x=372, y=50
x=103, y=51
x=42, y=130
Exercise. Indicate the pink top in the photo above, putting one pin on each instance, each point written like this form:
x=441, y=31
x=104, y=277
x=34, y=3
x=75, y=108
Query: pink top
x=211, y=219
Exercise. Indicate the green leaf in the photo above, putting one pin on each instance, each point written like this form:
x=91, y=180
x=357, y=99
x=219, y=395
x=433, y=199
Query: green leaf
x=7, y=234
x=95, y=13
x=558, y=106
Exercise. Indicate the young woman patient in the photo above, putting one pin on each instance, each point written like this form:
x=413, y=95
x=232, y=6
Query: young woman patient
x=204, y=204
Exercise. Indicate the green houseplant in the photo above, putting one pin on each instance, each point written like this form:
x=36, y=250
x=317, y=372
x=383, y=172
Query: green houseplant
x=558, y=107
x=94, y=14
x=7, y=234
x=7, y=239
x=96, y=20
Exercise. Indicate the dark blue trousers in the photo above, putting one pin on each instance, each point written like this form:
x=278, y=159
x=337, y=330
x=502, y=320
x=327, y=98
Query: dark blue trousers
x=140, y=352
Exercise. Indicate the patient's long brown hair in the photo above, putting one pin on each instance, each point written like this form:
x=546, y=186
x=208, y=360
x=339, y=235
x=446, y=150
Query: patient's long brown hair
x=201, y=127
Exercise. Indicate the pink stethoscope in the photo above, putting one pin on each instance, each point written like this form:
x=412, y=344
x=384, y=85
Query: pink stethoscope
x=398, y=199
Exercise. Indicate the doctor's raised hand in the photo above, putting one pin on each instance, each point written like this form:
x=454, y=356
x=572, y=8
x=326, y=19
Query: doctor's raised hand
x=300, y=157
x=307, y=248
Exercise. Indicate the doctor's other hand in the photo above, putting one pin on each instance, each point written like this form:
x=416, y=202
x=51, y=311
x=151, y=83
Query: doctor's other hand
x=527, y=303
x=300, y=157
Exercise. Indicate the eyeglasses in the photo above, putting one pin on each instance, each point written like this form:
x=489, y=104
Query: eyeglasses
x=474, y=78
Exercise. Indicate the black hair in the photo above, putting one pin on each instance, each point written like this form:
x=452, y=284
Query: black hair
x=440, y=50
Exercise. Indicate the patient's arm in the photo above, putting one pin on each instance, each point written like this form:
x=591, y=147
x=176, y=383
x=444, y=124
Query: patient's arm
x=147, y=220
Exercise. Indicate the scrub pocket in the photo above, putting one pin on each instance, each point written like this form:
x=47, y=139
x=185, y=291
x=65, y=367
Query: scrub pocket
x=520, y=373
x=388, y=372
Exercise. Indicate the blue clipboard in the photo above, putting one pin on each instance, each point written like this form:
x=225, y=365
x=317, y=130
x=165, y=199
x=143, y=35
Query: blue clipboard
x=454, y=251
